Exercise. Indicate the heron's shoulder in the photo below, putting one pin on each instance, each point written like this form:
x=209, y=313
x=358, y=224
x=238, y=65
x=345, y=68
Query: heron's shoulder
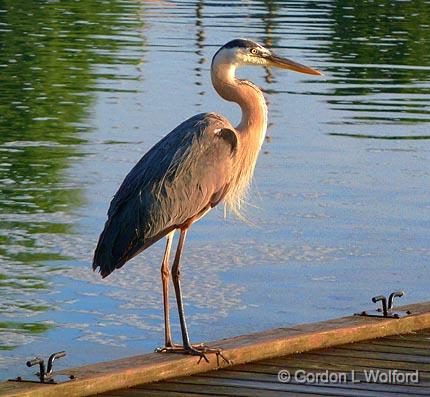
x=209, y=121
x=216, y=118
x=213, y=126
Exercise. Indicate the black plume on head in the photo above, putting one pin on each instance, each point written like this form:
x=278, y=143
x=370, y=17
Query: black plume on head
x=241, y=43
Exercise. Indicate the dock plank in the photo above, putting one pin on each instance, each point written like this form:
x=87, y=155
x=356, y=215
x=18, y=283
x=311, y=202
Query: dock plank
x=262, y=387
x=220, y=390
x=267, y=345
x=400, y=343
x=310, y=366
x=421, y=389
x=151, y=393
x=261, y=377
x=329, y=357
x=376, y=355
x=320, y=364
x=386, y=348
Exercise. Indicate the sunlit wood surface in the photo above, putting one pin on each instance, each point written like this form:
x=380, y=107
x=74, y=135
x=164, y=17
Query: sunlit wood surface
x=405, y=353
x=350, y=343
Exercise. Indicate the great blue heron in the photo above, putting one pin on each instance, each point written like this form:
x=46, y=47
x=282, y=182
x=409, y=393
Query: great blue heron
x=201, y=162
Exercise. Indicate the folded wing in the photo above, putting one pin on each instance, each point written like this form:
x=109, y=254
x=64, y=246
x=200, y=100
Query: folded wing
x=174, y=183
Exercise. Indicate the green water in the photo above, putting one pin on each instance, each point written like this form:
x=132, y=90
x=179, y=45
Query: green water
x=341, y=196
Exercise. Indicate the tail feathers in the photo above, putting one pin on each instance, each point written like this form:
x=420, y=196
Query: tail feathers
x=115, y=247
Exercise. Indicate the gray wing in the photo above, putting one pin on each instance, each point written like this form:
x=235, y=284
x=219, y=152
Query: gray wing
x=183, y=175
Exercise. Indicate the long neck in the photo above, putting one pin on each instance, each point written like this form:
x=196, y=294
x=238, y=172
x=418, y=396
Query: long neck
x=248, y=96
x=252, y=127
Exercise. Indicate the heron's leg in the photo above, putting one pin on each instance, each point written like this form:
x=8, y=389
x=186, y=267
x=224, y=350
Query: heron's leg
x=170, y=347
x=197, y=350
x=165, y=275
x=177, y=286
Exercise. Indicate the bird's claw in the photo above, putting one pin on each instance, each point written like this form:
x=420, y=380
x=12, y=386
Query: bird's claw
x=204, y=349
x=194, y=350
x=219, y=354
x=199, y=350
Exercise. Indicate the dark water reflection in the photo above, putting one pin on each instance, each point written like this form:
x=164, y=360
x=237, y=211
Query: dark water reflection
x=86, y=87
x=48, y=51
x=384, y=49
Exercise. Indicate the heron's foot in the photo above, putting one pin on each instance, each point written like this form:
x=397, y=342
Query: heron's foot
x=200, y=350
x=194, y=350
x=175, y=346
x=211, y=350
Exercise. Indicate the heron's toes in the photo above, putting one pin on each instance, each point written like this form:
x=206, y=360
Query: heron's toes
x=200, y=350
x=227, y=360
x=173, y=348
x=196, y=352
x=212, y=350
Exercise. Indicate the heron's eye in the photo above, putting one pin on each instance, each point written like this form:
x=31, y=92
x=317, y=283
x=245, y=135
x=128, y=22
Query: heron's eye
x=254, y=51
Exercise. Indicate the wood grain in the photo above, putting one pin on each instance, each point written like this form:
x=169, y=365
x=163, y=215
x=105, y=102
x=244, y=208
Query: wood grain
x=132, y=371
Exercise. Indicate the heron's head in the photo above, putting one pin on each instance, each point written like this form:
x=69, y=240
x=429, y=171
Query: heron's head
x=242, y=52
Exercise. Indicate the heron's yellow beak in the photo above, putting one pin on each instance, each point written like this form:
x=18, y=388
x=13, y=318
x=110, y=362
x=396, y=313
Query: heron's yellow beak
x=285, y=63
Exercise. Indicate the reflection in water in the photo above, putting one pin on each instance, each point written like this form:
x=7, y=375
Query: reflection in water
x=48, y=52
x=269, y=20
x=200, y=42
x=386, y=33
x=270, y=25
x=334, y=214
x=393, y=137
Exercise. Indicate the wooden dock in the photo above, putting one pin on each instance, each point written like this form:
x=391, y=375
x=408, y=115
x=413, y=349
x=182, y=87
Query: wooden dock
x=357, y=369
x=326, y=348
